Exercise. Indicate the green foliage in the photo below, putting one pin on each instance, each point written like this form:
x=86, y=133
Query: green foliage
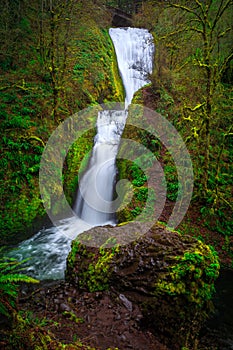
x=10, y=277
x=171, y=181
x=30, y=333
x=193, y=276
x=93, y=274
x=142, y=194
x=139, y=178
x=136, y=211
x=71, y=315
x=143, y=198
x=75, y=70
x=76, y=162
x=20, y=159
x=192, y=59
x=217, y=219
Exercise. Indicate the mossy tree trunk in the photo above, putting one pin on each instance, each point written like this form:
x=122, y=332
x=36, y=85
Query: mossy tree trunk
x=53, y=37
x=204, y=20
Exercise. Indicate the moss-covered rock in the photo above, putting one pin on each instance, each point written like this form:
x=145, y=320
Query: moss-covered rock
x=96, y=70
x=169, y=275
x=91, y=268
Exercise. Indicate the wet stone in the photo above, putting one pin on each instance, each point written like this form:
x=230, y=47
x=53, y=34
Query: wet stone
x=65, y=307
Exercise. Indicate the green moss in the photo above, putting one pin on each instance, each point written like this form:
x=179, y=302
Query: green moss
x=98, y=272
x=120, y=93
x=96, y=69
x=76, y=161
x=92, y=269
x=138, y=97
x=27, y=335
x=193, y=276
x=18, y=217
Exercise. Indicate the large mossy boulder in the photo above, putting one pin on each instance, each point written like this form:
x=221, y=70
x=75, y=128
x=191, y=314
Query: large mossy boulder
x=170, y=276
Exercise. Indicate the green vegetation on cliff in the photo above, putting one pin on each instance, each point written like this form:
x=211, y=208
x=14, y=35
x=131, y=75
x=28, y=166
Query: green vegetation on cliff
x=192, y=87
x=72, y=67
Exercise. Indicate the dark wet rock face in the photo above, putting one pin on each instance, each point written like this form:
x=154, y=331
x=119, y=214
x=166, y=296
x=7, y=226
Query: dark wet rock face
x=169, y=277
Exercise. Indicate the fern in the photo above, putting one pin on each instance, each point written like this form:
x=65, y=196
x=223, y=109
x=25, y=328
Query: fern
x=10, y=277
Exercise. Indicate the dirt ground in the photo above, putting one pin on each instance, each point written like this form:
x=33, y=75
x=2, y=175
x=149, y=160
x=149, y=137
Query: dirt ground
x=101, y=319
x=106, y=320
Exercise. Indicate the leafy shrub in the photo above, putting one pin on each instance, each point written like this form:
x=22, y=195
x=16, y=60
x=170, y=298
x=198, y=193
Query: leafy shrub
x=171, y=182
x=139, y=178
x=10, y=277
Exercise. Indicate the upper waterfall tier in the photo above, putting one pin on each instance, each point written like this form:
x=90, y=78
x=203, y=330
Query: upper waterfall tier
x=134, y=50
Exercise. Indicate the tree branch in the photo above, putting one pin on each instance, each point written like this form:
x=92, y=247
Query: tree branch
x=220, y=35
x=195, y=108
x=227, y=59
x=221, y=11
x=187, y=9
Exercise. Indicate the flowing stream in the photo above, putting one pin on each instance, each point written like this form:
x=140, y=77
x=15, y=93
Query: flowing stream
x=48, y=249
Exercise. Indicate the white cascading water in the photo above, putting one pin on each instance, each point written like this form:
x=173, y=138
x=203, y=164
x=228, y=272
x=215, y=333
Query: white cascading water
x=134, y=50
x=48, y=249
x=96, y=187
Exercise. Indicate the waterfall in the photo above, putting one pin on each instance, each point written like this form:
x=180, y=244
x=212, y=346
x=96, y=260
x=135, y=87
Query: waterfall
x=96, y=187
x=134, y=50
x=48, y=249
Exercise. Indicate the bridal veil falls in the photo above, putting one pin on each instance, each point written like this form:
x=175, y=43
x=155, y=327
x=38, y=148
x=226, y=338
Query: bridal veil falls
x=94, y=205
